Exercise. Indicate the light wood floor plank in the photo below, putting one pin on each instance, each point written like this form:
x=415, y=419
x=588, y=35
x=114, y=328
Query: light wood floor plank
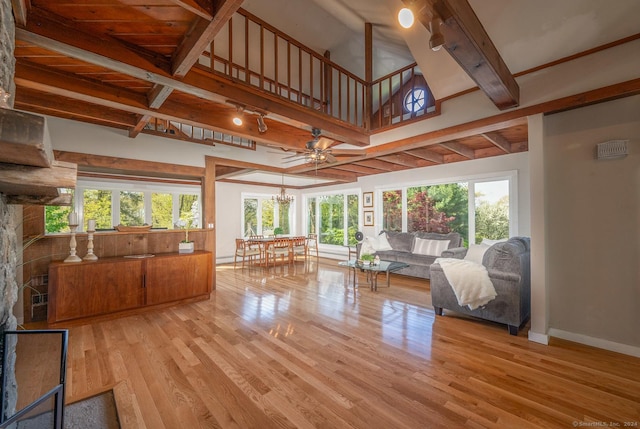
x=300, y=348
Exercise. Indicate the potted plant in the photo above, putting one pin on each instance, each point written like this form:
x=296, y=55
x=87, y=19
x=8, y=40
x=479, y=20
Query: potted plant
x=185, y=246
x=366, y=259
x=278, y=231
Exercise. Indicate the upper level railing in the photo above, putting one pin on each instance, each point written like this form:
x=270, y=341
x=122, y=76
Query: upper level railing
x=250, y=51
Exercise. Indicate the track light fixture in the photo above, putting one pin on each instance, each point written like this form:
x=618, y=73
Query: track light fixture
x=262, y=127
x=437, y=38
x=237, y=119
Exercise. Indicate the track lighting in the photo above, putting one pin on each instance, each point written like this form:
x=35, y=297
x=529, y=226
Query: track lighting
x=437, y=38
x=262, y=127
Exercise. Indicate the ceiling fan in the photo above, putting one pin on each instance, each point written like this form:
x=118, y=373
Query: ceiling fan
x=316, y=151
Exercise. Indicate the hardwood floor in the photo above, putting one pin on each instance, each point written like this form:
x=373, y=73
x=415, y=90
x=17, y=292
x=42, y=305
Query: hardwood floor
x=302, y=350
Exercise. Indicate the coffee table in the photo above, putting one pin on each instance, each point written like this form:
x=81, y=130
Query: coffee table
x=373, y=270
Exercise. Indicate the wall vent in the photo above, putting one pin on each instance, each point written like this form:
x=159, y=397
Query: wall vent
x=612, y=149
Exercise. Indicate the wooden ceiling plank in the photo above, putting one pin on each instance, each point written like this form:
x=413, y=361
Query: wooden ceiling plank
x=401, y=159
x=427, y=154
x=468, y=43
x=460, y=149
x=200, y=36
x=202, y=8
x=499, y=141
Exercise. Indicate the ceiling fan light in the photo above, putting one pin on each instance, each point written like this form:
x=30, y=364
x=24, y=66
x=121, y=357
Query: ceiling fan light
x=405, y=17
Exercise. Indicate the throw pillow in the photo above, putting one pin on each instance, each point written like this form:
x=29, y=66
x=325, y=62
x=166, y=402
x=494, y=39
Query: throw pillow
x=383, y=243
x=367, y=248
x=430, y=247
x=475, y=253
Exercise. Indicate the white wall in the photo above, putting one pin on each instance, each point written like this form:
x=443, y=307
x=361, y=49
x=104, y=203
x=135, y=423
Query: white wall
x=593, y=226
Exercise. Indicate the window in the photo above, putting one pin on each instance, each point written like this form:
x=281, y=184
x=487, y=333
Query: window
x=414, y=101
x=261, y=215
x=115, y=202
x=335, y=217
x=478, y=208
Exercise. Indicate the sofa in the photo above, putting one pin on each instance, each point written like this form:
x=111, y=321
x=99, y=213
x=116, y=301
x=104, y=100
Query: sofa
x=418, y=249
x=509, y=268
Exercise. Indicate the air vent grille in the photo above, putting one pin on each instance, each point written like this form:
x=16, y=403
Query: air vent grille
x=612, y=149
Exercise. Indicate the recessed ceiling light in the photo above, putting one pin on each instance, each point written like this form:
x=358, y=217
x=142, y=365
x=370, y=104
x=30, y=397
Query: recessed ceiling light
x=405, y=17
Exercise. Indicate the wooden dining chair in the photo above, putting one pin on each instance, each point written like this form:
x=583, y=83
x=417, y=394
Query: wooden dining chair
x=279, y=247
x=245, y=251
x=299, y=247
x=312, y=243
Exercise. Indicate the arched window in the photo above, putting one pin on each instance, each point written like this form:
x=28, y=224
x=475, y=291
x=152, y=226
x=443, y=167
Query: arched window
x=415, y=100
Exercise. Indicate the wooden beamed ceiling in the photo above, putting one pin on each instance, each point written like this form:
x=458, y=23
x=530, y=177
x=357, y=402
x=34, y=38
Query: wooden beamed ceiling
x=119, y=66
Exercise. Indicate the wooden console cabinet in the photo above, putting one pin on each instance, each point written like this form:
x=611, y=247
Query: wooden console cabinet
x=112, y=285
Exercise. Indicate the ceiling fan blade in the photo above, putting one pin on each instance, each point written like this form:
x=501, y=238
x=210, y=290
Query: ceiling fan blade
x=330, y=158
x=323, y=143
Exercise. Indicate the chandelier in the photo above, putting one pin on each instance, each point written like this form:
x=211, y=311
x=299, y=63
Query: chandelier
x=282, y=198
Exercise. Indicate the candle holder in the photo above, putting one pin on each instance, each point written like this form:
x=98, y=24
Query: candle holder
x=72, y=245
x=90, y=256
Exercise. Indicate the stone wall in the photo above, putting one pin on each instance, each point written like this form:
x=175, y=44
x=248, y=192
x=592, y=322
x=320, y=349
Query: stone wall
x=10, y=216
x=7, y=46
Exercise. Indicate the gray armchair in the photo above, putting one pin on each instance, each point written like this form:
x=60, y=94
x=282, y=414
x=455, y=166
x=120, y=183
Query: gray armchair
x=508, y=264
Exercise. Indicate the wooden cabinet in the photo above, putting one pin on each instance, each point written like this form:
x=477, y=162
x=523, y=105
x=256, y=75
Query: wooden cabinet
x=178, y=278
x=111, y=285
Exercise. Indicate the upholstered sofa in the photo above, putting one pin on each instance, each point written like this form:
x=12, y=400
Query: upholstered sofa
x=418, y=249
x=508, y=265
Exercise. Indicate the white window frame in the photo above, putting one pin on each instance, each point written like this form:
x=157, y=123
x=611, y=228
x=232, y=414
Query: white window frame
x=511, y=176
x=345, y=193
x=276, y=214
x=147, y=188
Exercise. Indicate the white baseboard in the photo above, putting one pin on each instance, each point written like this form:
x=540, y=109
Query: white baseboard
x=537, y=337
x=596, y=342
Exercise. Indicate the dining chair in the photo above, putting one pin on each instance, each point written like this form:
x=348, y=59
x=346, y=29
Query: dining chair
x=279, y=247
x=312, y=243
x=246, y=251
x=299, y=247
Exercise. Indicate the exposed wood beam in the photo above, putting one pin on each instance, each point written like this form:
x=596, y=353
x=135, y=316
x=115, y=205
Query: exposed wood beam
x=499, y=141
x=20, y=11
x=143, y=120
x=360, y=169
x=200, y=36
x=66, y=85
x=470, y=46
x=379, y=165
x=460, y=149
x=427, y=154
x=28, y=99
x=60, y=200
x=37, y=181
x=112, y=54
x=24, y=139
x=110, y=164
x=158, y=95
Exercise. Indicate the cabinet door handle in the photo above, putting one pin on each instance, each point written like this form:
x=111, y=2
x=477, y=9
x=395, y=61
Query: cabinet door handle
x=144, y=281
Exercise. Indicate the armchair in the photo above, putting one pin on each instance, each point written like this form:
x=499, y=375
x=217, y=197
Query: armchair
x=508, y=265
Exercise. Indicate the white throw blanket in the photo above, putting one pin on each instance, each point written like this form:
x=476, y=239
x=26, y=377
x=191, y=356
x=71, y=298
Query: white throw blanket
x=469, y=280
